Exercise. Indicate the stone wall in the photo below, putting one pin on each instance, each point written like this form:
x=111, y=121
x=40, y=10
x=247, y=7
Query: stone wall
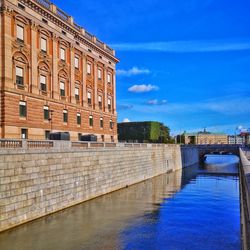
x=37, y=182
x=244, y=172
x=189, y=155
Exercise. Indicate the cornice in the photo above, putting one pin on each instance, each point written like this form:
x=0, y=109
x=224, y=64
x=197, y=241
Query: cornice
x=48, y=14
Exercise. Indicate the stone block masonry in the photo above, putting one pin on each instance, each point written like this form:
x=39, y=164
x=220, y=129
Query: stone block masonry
x=37, y=182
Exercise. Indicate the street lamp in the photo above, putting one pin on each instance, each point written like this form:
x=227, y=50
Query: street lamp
x=50, y=118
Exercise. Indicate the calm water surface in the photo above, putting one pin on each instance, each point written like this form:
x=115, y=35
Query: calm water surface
x=197, y=208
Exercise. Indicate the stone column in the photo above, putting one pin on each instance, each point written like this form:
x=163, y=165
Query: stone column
x=54, y=84
x=34, y=65
x=72, y=74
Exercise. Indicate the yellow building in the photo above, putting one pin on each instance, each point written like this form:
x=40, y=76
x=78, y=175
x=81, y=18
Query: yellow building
x=205, y=138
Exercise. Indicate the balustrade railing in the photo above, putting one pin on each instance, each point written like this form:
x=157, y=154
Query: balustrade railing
x=41, y=144
x=5, y=143
x=88, y=35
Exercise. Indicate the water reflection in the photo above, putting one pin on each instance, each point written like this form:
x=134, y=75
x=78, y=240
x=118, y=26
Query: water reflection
x=188, y=209
x=226, y=164
x=95, y=223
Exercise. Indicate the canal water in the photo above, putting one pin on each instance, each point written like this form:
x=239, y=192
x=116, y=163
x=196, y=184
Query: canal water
x=197, y=208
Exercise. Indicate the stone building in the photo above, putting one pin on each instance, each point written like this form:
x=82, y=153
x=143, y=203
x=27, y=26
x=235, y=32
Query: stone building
x=55, y=76
x=204, y=137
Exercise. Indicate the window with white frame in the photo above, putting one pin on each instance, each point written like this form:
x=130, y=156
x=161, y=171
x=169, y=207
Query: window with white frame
x=20, y=33
x=77, y=93
x=109, y=104
x=19, y=76
x=43, y=44
x=78, y=119
x=43, y=83
x=101, y=122
x=76, y=62
x=89, y=68
x=111, y=124
x=22, y=109
x=100, y=101
x=99, y=74
x=109, y=78
x=62, y=88
x=91, y=121
x=62, y=54
x=65, y=115
x=89, y=98
x=46, y=112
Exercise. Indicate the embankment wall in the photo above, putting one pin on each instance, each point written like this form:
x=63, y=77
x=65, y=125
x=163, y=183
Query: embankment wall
x=37, y=182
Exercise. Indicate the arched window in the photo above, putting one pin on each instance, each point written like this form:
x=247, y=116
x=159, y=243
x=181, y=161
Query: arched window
x=20, y=70
x=44, y=77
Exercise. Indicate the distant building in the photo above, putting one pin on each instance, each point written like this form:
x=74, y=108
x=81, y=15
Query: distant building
x=204, y=137
x=147, y=131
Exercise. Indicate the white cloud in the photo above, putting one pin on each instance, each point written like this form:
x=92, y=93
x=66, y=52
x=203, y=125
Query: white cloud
x=132, y=72
x=142, y=88
x=126, y=120
x=157, y=102
x=186, y=46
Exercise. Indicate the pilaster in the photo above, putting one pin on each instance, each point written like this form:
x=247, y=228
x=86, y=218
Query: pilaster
x=114, y=92
x=105, y=94
x=55, y=86
x=34, y=75
x=95, y=85
x=84, y=84
x=72, y=74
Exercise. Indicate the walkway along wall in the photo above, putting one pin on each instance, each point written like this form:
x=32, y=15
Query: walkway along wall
x=37, y=182
x=244, y=172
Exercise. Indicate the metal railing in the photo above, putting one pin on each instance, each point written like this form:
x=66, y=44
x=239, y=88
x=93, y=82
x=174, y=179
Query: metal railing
x=62, y=14
x=44, y=3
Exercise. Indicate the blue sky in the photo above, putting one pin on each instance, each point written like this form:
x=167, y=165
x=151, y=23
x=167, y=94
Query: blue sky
x=182, y=62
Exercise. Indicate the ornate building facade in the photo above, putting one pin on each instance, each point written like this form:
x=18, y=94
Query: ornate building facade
x=55, y=76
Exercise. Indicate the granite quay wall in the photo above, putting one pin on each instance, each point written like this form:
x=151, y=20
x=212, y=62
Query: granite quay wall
x=39, y=178
x=244, y=172
x=189, y=155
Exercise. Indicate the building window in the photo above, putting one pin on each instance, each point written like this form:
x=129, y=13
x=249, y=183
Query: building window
x=91, y=121
x=24, y=133
x=22, y=109
x=109, y=104
x=43, y=44
x=78, y=118
x=89, y=98
x=76, y=62
x=109, y=78
x=43, y=83
x=101, y=122
x=19, y=76
x=102, y=137
x=65, y=115
x=89, y=68
x=46, y=113
x=20, y=33
x=100, y=101
x=62, y=88
x=47, y=133
x=111, y=124
x=112, y=138
x=99, y=74
x=62, y=54
x=77, y=93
